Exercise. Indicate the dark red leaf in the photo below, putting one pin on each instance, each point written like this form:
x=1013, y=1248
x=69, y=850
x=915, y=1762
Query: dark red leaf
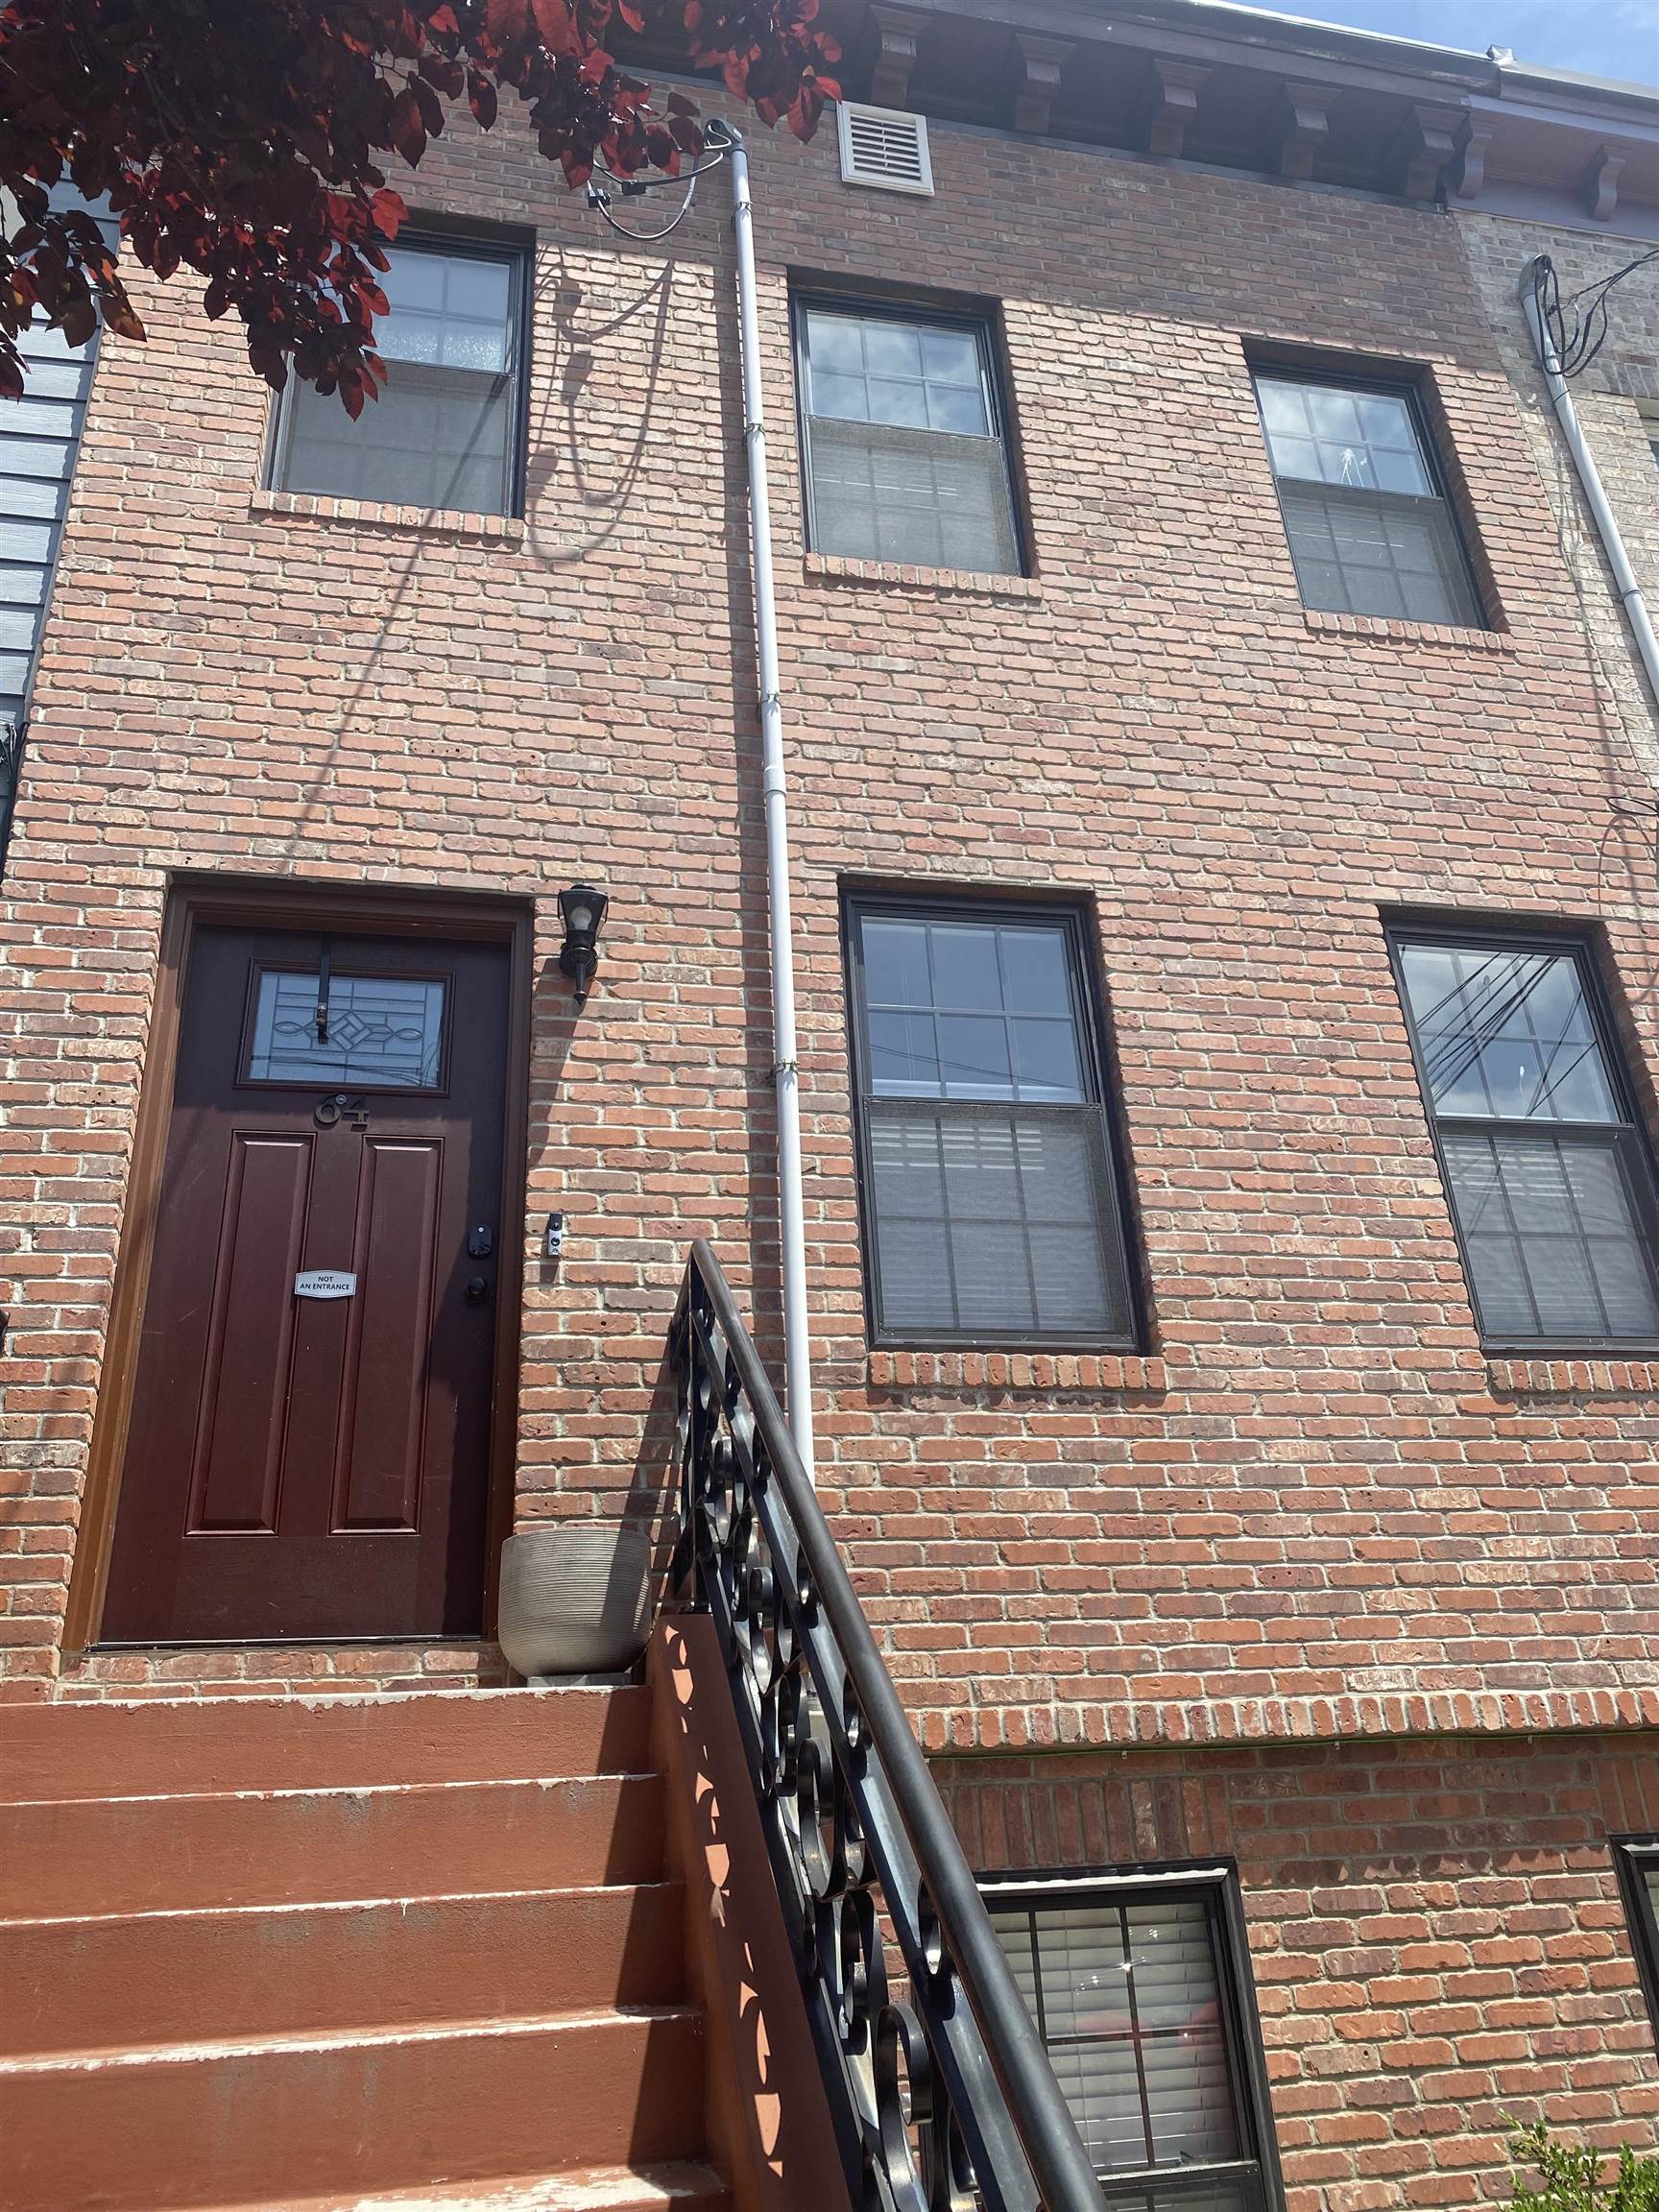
x=405, y=128
x=481, y=99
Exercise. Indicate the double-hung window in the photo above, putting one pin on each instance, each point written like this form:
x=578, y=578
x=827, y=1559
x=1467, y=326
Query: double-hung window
x=1371, y=529
x=1548, y=1172
x=1139, y=1987
x=1636, y=1859
x=447, y=430
x=902, y=440
x=993, y=1215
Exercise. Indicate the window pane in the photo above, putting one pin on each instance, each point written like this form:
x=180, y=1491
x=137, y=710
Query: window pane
x=1019, y=1216
x=1506, y=1033
x=917, y=496
x=441, y=434
x=1378, y=556
x=382, y=1031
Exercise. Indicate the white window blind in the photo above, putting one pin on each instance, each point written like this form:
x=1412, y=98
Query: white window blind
x=1128, y=1992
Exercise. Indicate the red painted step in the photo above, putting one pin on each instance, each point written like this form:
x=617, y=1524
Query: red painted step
x=171, y=1746
x=197, y=2125
x=141, y=1854
x=165, y=1977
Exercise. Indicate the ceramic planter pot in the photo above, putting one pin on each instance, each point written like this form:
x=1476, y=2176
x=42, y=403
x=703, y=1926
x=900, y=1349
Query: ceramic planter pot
x=575, y=1597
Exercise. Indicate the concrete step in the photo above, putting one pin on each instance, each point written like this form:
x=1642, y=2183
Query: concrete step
x=673, y=2188
x=115, y=1981
x=269, y=2121
x=262, y=1847
x=596, y=2188
x=152, y=1747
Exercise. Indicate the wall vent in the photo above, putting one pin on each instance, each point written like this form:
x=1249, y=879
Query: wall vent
x=884, y=147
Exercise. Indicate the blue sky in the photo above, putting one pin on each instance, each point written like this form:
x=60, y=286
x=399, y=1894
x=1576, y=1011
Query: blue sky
x=1602, y=38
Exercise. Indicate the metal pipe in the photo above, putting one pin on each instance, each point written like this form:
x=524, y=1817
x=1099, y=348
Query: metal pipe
x=1629, y=591
x=797, y=1346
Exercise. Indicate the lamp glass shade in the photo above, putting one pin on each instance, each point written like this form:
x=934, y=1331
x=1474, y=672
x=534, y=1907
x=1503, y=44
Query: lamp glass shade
x=583, y=909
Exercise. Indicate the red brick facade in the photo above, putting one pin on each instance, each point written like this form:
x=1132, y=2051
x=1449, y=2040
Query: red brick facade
x=1311, y=1527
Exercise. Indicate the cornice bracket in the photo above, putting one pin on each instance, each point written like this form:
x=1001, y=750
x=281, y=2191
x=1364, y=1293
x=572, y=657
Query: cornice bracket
x=1422, y=148
x=1602, y=182
x=1168, y=103
x=1301, y=122
x=1045, y=58
x=1468, y=171
x=899, y=29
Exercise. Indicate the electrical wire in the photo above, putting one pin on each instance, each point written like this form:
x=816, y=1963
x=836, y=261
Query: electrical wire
x=1576, y=347
x=599, y=200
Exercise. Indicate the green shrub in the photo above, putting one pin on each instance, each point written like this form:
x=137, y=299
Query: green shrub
x=1574, y=2179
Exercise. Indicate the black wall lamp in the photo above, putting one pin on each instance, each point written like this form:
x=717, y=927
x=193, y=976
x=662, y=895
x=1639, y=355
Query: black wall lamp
x=583, y=910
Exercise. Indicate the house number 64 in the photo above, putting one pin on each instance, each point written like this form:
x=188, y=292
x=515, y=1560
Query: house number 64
x=327, y=1111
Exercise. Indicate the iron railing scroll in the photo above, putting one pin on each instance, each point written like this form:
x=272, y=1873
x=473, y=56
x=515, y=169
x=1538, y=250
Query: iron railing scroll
x=942, y=2094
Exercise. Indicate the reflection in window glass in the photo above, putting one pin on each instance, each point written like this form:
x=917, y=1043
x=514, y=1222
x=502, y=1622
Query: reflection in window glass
x=443, y=433
x=1548, y=1178
x=374, y=1032
x=1369, y=531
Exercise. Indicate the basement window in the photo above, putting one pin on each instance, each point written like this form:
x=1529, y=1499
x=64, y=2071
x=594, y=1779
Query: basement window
x=993, y=1209
x=1138, y=1984
x=446, y=432
x=1371, y=529
x=1548, y=1173
x=1637, y=1860
x=902, y=440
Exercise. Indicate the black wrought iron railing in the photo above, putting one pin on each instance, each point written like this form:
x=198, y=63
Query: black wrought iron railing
x=942, y=2094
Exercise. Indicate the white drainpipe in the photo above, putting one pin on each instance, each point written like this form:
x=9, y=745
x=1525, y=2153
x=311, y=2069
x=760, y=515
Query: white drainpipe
x=1629, y=591
x=797, y=1351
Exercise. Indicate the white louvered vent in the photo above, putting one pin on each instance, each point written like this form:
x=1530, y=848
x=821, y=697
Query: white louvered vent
x=884, y=147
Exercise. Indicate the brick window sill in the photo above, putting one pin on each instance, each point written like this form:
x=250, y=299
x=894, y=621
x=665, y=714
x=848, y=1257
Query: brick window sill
x=1441, y=633
x=432, y=521
x=1033, y=1371
x=836, y=568
x=1573, y=1378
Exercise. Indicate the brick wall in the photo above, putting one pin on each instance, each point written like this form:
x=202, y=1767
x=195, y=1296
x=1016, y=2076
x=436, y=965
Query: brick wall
x=1436, y=1935
x=1314, y=1506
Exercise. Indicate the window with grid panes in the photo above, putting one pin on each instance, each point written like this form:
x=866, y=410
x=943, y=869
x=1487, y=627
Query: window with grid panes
x=990, y=1190
x=445, y=430
x=1549, y=1177
x=1370, y=527
x=902, y=440
x=1134, y=1987
x=1636, y=1859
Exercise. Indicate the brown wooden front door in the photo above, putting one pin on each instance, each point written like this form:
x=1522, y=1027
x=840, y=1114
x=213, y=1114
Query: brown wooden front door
x=308, y=1449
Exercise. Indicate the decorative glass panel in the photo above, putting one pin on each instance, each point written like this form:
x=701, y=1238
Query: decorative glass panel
x=904, y=454
x=1548, y=1177
x=442, y=432
x=1126, y=1993
x=374, y=1032
x=1369, y=531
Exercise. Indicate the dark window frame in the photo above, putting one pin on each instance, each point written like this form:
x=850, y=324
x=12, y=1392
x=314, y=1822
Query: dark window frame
x=1092, y=1037
x=980, y=324
x=1632, y=1855
x=1398, y=385
x=1403, y=932
x=435, y=235
x=1217, y=1879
